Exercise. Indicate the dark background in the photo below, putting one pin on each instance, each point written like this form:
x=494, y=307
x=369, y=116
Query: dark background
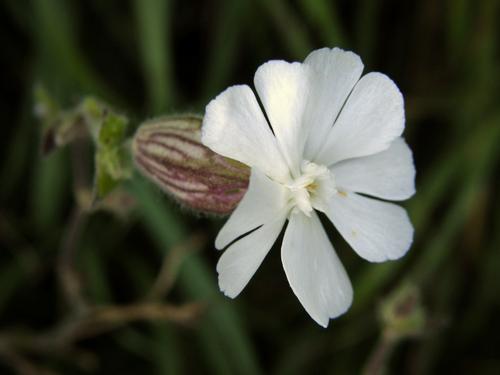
x=152, y=57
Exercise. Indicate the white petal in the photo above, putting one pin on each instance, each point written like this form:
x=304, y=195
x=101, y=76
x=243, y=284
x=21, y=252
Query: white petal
x=234, y=126
x=376, y=230
x=240, y=261
x=313, y=269
x=334, y=73
x=283, y=89
x=371, y=119
x=262, y=203
x=389, y=174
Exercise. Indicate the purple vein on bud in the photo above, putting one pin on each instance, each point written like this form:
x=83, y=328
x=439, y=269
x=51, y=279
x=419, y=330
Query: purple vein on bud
x=169, y=152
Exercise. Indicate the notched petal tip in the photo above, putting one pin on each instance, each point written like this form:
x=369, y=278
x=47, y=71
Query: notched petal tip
x=234, y=126
x=225, y=289
x=376, y=230
x=241, y=260
x=211, y=128
x=397, y=98
x=225, y=286
x=389, y=174
x=323, y=324
x=219, y=243
x=335, y=51
x=317, y=277
x=372, y=117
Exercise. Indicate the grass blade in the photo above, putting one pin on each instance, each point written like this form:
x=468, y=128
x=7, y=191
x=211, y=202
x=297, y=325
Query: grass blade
x=153, y=22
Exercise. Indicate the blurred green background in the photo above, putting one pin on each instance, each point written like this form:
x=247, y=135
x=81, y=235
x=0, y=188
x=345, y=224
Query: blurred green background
x=152, y=57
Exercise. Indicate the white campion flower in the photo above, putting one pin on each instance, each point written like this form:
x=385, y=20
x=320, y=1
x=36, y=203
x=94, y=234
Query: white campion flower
x=332, y=140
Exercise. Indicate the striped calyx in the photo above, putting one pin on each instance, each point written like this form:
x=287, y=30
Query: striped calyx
x=168, y=151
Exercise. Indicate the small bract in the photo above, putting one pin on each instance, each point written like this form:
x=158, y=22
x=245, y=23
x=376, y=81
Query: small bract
x=332, y=140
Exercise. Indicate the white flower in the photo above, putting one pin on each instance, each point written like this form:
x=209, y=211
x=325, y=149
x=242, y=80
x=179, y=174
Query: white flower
x=337, y=139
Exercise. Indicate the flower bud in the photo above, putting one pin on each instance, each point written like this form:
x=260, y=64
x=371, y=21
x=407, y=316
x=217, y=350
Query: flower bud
x=169, y=152
x=402, y=313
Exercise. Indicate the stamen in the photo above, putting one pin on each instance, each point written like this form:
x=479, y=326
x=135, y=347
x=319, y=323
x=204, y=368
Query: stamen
x=312, y=188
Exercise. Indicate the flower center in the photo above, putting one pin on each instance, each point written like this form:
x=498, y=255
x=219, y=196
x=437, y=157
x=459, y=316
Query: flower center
x=312, y=189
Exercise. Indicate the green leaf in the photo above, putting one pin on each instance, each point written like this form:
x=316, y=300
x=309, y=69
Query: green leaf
x=153, y=21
